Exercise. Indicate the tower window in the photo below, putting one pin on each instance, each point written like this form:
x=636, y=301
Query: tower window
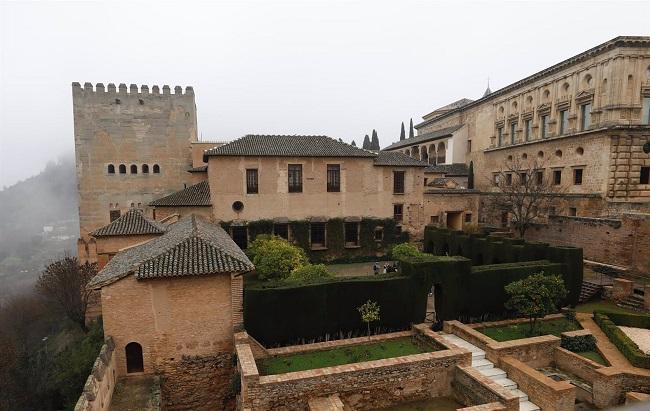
x=156, y=169
x=145, y=169
x=122, y=169
x=134, y=169
x=111, y=169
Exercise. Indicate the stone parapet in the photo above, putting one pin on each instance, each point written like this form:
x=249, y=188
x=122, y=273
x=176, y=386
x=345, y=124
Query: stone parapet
x=98, y=390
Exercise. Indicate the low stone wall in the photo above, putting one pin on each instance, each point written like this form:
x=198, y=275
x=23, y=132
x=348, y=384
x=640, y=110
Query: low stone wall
x=98, y=390
x=548, y=394
x=610, y=388
x=575, y=364
x=535, y=351
x=493, y=406
x=631, y=397
x=474, y=389
x=365, y=385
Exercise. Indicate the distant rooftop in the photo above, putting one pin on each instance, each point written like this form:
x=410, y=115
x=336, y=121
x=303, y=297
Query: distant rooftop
x=425, y=137
x=133, y=222
x=197, y=195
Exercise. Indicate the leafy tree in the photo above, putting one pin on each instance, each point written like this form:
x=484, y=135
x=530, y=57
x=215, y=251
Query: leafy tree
x=470, y=176
x=524, y=192
x=411, y=133
x=369, y=313
x=309, y=273
x=535, y=296
x=374, y=144
x=402, y=133
x=275, y=257
x=63, y=282
x=366, y=143
x=404, y=251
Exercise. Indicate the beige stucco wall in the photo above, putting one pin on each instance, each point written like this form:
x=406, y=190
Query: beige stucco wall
x=438, y=204
x=170, y=318
x=108, y=246
x=366, y=190
x=164, y=212
x=144, y=128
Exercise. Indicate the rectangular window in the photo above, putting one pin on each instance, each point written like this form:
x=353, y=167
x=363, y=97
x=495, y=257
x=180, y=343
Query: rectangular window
x=529, y=130
x=645, y=175
x=295, y=178
x=351, y=234
x=577, y=176
x=468, y=218
x=398, y=212
x=544, y=122
x=585, y=116
x=513, y=133
x=500, y=135
x=469, y=146
x=573, y=211
x=645, y=111
x=251, y=181
x=508, y=179
x=557, y=177
x=564, y=122
x=523, y=177
x=333, y=178
x=426, y=180
x=495, y=179
x=317, y=235
x=435, y=219
x=114, y=215
x=398, y=182
x=281, y=230
x=539, y=177
x=240, y=236
x=379, y=234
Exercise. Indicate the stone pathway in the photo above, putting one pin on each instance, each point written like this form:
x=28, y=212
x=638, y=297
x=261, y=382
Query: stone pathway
x=487, y=368
x=137, y=393
x=640, y=336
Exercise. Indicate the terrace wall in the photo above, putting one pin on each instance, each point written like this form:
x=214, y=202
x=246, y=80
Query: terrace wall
x=365, y=385
x=473, y=388
x=98, y=390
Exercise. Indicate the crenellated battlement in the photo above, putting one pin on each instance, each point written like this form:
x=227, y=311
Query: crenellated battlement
x=132, y=89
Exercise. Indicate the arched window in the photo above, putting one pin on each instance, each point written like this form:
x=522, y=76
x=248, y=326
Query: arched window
x=432, y=154
x=442, y=153
x=134, y=362
x=156, y=169
x=145, y=169
x=424, y=156
x=122, y=169
x=111, y=169
x=134, y=169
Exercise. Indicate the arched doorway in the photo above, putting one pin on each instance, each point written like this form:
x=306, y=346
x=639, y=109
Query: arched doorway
x=134, y=362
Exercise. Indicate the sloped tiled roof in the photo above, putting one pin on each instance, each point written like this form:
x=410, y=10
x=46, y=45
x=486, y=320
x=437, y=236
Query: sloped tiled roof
x=190, y=247
x=287, y=146
x=451, y=106
x=397, y=159
x=197, y=195
x=421, y=138
x=199, y=169
x=133, y=222
x=455, y=169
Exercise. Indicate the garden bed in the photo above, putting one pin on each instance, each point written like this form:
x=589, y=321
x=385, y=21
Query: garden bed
x=396, y=347
x=521, y=330
x=594, y=356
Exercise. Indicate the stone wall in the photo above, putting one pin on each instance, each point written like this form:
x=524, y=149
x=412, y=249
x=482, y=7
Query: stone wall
x=473, y=388
x=98, y=390
x=438, y=203
x=623, y=241
x=577, y=365
x=365, y=385
x=548, y=394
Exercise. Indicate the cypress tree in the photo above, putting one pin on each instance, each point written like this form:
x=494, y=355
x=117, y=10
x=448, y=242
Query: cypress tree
x=470, y=176
x=402, y=133
x=354, y=143
x=411, y=134
x=374, y=145
x=366, y=143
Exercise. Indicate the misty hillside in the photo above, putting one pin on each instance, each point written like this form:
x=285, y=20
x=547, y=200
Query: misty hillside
x=38, y=222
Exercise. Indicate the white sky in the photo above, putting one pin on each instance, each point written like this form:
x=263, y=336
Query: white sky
x=339, y=68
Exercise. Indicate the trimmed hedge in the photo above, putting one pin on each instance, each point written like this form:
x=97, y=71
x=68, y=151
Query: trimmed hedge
x=624, y=344
x=496, y=250
x=578, y=343
x=639, y=320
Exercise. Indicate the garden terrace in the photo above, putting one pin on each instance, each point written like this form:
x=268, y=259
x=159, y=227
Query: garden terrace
x=518, y=330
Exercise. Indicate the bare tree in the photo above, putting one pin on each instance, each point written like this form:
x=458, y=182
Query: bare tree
x=525, y=191
x=64, y=283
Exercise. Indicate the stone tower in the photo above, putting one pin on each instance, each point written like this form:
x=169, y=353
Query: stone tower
x=132, y=146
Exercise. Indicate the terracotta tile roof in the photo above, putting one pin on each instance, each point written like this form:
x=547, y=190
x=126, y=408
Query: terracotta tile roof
x=133, y=222
x=454, y=169
x=197, y=195
x=422, y=138
x=287, y=146
x=190, y=247
x=398, y=159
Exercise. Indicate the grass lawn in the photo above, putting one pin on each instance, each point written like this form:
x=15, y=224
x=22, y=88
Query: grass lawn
x=517, y=331
x=396, y=347
x=590, y=306
x=594, y=356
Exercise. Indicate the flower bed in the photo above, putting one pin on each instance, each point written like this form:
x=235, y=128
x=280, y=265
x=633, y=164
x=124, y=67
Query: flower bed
x=396, y=347
x=520, y=330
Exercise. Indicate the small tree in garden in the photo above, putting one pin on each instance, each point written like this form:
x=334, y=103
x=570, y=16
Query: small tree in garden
x=275, y=257
x=535, y=296
x=309, y=273
x=369, y=313
x=404, y=250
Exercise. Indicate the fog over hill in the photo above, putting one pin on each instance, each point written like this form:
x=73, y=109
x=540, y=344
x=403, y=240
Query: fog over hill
x=38, y=223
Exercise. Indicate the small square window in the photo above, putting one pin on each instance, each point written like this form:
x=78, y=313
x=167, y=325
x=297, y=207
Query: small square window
x=398, y=212
x=435, y=219
x=468, y=218
x=379, y=234
x=577, y=176
x=573, y=211
x=645, y=175
x=114, y=215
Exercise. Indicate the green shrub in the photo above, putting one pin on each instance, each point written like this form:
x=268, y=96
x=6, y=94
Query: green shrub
x=404, y=251
x=275, y=257
x=628, y=319
x=309, y=273
x=625, y=345
x=579, y=343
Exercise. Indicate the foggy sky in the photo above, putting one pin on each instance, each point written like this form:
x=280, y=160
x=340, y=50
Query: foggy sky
x=339, y=68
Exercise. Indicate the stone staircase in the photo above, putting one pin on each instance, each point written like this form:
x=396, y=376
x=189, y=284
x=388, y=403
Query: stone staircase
x=633, y=302
x=487, y=368
x=330, y=403
x=588, y=291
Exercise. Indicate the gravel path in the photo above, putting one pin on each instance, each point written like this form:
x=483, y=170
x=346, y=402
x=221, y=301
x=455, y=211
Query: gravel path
x=640, y=336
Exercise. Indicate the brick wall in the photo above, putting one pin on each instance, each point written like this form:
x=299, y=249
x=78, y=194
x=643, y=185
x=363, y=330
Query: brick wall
x=98, y=390
x=471, y=387
x=622, y=241
x=577, y=365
